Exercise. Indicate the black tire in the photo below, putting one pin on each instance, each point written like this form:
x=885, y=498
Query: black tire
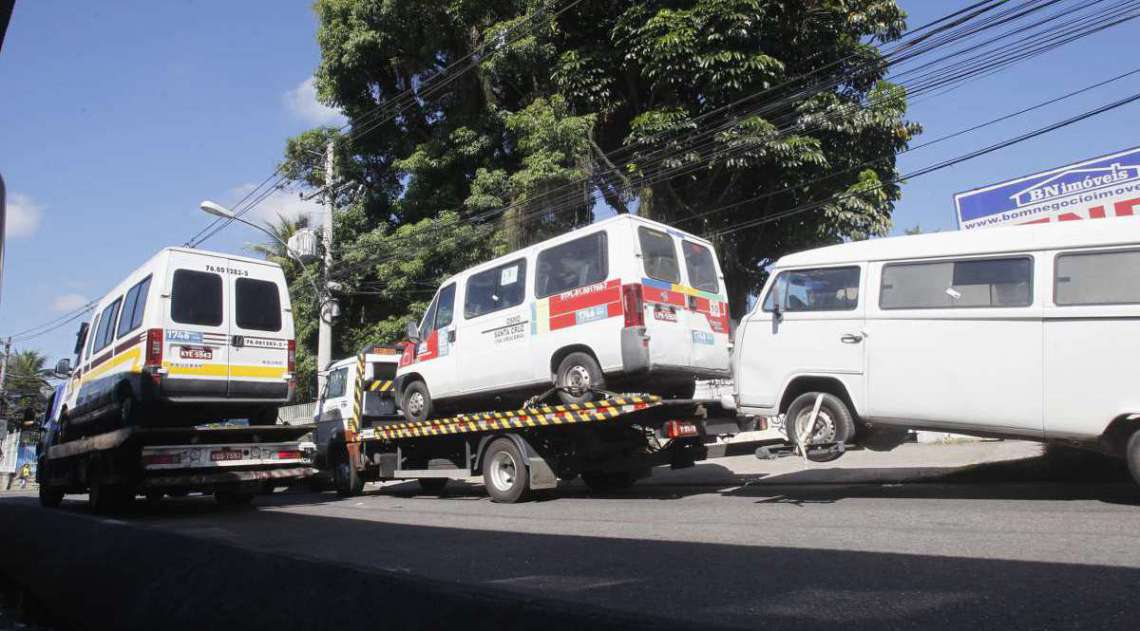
x=50, y=496
x=683, y=391
x=834, y=424
x=234, y=499
x=346, y=479
x=578, y=377
x=127, y=407
x=1132, y=454
x=608, y=482
x=415, y=401
x=505, y=473
x=433, y=486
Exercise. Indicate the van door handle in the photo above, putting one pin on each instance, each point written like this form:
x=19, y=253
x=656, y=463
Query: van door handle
x=451, y=335
x=851, y=338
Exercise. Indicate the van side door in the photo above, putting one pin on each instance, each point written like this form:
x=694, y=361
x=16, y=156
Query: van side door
x=494, y=336
x=809, y=323
x=435, y=351
x=258, y=332
x=196, y=342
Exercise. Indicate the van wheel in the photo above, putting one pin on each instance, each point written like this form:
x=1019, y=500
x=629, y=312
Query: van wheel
x=578, y=375
x=50, y=496
x=128, y=408
x=684, y=391
x=833, y=424
x=416, y=402
x=505, y=474
x=1132, y=453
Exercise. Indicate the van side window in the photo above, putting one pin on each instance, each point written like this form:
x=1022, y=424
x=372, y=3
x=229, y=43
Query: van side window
x=338, y=379
x=497, y=288
x=572, y=265
x=1097, y=278
x=825, y=289
x=445, y=307
x=196, y=298
x=957, y=284
x=658, y=255
x=106, y=331
x=699, y=263
x=257, y=305
x=133, y=307
x=92, y=335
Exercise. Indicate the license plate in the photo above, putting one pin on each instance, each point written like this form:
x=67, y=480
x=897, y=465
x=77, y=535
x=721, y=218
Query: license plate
x=665, y=314
x=221, y=455
x=192, y=352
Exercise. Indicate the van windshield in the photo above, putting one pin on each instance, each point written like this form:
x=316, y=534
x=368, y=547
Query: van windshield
x=659, y=256
x=258, y=305
x=699, y=263
x=196, y=298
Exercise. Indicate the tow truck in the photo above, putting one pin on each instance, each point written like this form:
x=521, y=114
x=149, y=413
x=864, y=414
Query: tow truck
x=233, y=462
x=609, y=443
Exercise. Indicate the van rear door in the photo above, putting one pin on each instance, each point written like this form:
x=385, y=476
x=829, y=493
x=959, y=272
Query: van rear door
x=259, y=331
x=707, y=307
x=666, y=315
x=195, y=339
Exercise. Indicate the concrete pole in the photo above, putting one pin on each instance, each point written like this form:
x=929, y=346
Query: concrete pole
x=4, y=368
x=324, y=336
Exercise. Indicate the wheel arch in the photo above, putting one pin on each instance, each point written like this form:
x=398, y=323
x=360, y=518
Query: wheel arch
x=561, y=354
x=1116, y=434
x=816, y=383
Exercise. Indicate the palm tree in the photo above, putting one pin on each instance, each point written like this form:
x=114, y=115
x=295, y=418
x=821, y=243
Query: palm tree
x=25, y=379
x=283, y=228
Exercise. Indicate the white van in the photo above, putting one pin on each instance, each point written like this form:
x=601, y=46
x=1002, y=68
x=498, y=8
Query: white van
x=1017, y=332
x=190, y=336
x=626, y=303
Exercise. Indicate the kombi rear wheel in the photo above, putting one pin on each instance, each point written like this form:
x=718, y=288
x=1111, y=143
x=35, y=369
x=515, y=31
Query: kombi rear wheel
x=833, y=424
x=1132, y=454
x=578, y=378
x=416, y=402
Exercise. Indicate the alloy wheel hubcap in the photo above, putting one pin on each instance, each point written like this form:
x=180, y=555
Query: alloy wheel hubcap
x=503, y=471
x=416, y=403
x=578, y=379
x=824, y=430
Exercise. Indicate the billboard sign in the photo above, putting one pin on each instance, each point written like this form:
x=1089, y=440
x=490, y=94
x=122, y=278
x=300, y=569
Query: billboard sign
x=1108, y=186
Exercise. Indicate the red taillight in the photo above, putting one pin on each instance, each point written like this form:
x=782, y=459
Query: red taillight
x=292, y=356
x=289, y=455
x=155, y=459
x=633, y=305
x=680, y=429
x=153, y=348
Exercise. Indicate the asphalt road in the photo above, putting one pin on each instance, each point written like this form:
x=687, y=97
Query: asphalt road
x=1005, y=545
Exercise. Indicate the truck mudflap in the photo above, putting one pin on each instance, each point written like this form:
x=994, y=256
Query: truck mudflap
x=621, y=407
x=212, y=478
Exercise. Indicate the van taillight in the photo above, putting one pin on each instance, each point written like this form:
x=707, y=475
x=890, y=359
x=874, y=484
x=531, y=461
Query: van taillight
x=292, y=355
x=633, y=305
x=153, y=348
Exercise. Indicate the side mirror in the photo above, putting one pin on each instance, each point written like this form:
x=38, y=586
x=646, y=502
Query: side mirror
x=80, y=338
x=63, y=367
x=413, y=331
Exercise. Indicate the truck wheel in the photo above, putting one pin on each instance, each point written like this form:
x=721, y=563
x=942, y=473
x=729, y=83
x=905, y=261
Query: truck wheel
x=833, y=425
x=1132, y=453
x=505, y=473
x=346, y=478
x=50, y=496
x=433, y=486
x=578, y=374
x=416, y=402
x=608, y=482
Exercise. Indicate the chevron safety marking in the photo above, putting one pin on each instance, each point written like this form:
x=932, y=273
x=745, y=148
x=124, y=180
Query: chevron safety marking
x=380, y=386
x=357, y=400
x=541, y=416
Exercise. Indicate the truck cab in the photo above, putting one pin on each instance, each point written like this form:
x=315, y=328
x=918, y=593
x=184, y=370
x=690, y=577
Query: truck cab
x=373, y=372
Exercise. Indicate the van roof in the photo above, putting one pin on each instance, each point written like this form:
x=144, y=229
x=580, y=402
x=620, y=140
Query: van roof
x=1051, y=236
x=211, y=253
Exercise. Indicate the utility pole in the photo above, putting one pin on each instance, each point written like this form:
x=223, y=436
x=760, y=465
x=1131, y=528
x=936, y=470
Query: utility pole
x=4, y=378
x=326, y=308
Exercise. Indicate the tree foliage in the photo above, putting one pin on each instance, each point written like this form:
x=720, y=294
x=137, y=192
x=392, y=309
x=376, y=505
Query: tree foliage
x=524, y=116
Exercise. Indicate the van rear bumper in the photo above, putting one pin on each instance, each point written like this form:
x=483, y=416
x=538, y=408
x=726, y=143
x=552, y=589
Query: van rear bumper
x=198, y=390
x=635, y=359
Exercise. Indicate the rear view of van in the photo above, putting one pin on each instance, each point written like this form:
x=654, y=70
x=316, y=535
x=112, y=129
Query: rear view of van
x=189, y=337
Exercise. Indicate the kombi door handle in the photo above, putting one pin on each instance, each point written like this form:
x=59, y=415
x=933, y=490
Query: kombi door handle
x=851, y=338
x=451, y=335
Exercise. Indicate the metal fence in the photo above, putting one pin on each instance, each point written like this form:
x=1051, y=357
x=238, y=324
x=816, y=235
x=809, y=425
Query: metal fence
x=299, y=414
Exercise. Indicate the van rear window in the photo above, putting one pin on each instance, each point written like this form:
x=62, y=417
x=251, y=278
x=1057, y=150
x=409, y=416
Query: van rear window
x=1097, y=278
x=258, y=305
x=957, y=284
x=700, y=265
x=572, y=265
x=196, y=298
x=659, y=256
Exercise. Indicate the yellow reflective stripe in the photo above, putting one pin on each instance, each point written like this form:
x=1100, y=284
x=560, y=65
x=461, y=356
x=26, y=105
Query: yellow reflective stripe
x=132, y=354
x=222, y=370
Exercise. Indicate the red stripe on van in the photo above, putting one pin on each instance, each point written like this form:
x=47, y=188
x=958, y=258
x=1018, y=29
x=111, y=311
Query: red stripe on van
x=590, y=296
x=664, y=296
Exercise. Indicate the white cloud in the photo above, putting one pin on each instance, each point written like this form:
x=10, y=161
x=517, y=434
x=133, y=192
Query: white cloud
x=69, y=302
x=23, y=217
x=280, y=203
x=302, y=102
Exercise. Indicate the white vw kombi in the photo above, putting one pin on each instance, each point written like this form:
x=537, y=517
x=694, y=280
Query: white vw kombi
x=1018, y=332
x=188, y=337
x=626, y=303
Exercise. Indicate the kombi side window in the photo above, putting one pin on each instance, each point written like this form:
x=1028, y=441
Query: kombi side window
x=572, y=265
x=699, y=263
x=957, y=284
x=495, y=289
x=133, y=307
x=257, y=305
x=823, y=289
x=658, y=255
x=440, y=313
x=106, y=331
x=337, y=381
x=196, y=298
x=1097, y=278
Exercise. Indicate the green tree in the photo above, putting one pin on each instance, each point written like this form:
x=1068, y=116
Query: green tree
x=25, y=381
x=630, y=101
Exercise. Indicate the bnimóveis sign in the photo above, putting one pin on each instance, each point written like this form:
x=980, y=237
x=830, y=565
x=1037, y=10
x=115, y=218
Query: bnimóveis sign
x=1108, y=186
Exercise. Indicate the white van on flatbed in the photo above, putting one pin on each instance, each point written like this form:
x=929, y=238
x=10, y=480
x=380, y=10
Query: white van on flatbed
x=1016, y=332
x=189, y=337
x=626, y=303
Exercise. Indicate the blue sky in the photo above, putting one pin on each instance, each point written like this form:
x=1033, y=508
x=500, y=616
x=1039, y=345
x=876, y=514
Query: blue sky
x=118, y=118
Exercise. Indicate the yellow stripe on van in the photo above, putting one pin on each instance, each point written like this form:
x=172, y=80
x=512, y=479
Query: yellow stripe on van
x=133, y=354
x=222, y=370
